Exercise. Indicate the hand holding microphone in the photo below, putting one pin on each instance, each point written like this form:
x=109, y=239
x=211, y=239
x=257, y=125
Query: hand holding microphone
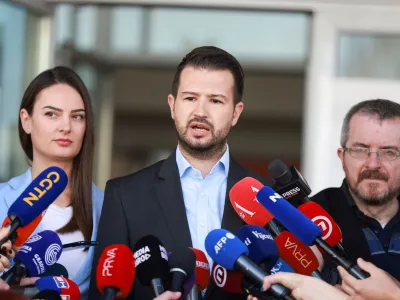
x=168, y=295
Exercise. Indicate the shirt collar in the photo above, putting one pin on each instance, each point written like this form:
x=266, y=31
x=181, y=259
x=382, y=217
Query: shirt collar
x=184, y=165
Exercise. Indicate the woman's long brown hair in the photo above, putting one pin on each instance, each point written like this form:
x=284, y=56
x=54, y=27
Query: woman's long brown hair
x=81, y=174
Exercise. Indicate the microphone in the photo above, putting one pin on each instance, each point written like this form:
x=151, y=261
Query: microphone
x=64, y=287
x=228, y=280
x=182, y=264
x=281, y=266
x=299, y=256
x=151, y=259
x=261, y=245
x=38, y=253
x=289, y=182
x=228, y=251
x=23, y=233
x=302, y=227
x=331, y=232
x=56, y=270
x=115, y=272
x=243, y=199
x=47, y=295
x=202, y=270
x=37, y=197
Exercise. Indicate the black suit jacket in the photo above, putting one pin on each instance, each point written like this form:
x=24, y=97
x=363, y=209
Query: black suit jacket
x=151, y=202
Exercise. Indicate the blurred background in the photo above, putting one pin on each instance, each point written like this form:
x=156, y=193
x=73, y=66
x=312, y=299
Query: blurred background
x=306, y=63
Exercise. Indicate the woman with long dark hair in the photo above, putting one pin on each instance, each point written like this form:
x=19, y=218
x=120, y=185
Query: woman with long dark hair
x=56, y=129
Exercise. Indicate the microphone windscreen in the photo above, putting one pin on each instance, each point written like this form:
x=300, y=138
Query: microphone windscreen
x=151, y=260
x=279, y=171
x=281, y=266
x=40, y=252
x=202, y=269
x=228, y=280
x=188, y=285
x=24, y=232
x=261, y=245
x=116, y=268
x=47, y=295
x=224, y=248
x=39, y=194
x=243, y=199
x=56, y=270
x=331, y=232
x=184, y=259
x=299, y=256
x=289, y=216
x=66, y=288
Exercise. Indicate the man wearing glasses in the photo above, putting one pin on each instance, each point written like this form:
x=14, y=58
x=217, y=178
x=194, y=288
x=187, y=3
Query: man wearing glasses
x=366, y=206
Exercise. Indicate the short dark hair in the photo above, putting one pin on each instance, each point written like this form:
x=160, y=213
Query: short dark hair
x=212, y=58
x=381, y=108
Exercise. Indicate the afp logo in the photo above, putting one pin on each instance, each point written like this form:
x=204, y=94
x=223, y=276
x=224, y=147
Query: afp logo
x=220, y=275
x=61, y=282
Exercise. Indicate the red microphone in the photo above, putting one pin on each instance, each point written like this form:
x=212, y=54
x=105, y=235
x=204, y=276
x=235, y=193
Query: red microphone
x=23, y=233
x=115, y=272
x=299, y=256
x=331, y=232
x=202, y=270
x=228, y=280
x=243, y=199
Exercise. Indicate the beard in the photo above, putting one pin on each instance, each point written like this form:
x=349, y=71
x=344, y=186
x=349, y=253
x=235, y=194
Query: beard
x=203, y=149
x=372, y=196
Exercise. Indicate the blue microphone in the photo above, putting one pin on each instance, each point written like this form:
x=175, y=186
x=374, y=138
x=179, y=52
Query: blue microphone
x=40, y=252
x=302, y=227
x=281, y=266
x=37, y=197
x=262, y=247
x=229, y=252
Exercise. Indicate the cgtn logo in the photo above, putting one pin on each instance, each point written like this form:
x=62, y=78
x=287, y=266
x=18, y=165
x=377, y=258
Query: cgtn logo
x=222, y=241
x=45, y=185
x=108, y=262
x=220, y=275
x=61, y=282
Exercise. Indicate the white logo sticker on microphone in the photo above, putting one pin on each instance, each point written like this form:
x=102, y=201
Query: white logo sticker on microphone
x=220, y=275
x=33, y=239
x=325, y=224
x=65, y=297
x=51, y=254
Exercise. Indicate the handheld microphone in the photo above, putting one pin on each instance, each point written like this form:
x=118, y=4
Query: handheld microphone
x=228, y=251
x=56, y=270
x=331, y=232
x=281, y=266
x=47, y=295
x=37, y=197
x=299, y=256
x=38, y=253
x=302, y=227
x=262, y=247
x=182, y=264
x=151, y=259
x=202, y=269
x=228, y=280
x=243, y=199
x=289, y=183
x=19, y=237
x=64, y=287
x=115, y=272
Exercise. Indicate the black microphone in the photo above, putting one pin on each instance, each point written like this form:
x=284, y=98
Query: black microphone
x=289, y=183
x=151, y=260
x=47, y=295
x=182, y=263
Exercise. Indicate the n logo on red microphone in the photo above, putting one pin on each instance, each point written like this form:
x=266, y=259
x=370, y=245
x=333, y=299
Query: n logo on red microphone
x=325, y=224
x=220, y=274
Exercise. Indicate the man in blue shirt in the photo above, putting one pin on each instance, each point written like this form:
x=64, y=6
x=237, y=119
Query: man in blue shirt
x=181, y=199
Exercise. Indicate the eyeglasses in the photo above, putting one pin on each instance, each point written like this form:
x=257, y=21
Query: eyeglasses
x=383, y=154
